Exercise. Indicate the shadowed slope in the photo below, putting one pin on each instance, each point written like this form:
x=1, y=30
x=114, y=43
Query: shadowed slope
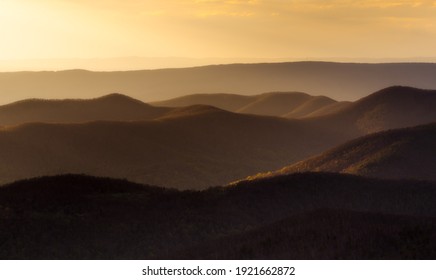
x=402, y=153
x=110, y=107
x=193, y=147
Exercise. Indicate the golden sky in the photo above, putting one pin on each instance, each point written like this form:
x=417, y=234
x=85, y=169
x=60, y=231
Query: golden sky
x=35, y=29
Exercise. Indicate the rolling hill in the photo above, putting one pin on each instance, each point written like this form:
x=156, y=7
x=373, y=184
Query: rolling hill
x=112, y=107
x=395, y=154
x=280, y=104
x=225, y=101
x=389, y=108
x=188, y=147
x=193, y=147
x=321, y=216
x=383, y=109
x=340, y=81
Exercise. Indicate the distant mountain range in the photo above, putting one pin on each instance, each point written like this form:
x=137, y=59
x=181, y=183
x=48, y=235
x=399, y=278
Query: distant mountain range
x=395, y=154
x=78, y=176
x=340, y=81
x=186, y=147
x=301, y=216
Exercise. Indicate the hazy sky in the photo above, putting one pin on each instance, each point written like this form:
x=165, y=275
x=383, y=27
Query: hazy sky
x=68, y=29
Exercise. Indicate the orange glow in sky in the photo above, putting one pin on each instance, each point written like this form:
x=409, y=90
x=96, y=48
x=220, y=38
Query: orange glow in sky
x=36, y=29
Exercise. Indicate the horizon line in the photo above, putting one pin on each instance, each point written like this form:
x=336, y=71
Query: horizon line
x=160, y=63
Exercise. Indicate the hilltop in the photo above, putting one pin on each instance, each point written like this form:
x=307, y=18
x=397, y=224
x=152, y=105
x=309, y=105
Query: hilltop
x=389, y=108
x=112, y=107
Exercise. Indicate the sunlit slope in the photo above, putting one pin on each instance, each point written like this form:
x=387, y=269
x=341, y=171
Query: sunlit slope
x=395, y=154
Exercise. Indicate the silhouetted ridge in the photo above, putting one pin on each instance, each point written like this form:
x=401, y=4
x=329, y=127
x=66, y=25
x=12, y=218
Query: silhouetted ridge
x=286, y=94
x=113, y=97
x=80, y=217
x=118, y=97
x=75, y=184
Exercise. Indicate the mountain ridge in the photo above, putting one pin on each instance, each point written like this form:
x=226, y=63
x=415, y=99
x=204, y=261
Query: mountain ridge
x=340, y=81
x=197, y=150
x=113, y=106
x=279, y=104
x=407, y=153
x=388, y=108
x=192, y=147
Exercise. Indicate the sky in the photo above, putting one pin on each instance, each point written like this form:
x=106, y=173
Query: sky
x=34, y=32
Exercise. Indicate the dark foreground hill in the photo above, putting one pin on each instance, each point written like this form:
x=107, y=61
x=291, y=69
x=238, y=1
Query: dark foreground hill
x=341, y=81
x=79, y=217
x=112, y=107
x=328, y=234
x=395, y=154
